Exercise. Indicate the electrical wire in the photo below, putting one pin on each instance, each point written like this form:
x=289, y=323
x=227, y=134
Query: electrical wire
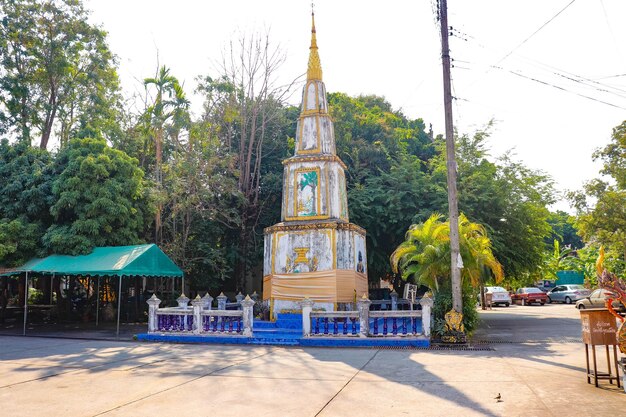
x=535, y=32
x=561, y=88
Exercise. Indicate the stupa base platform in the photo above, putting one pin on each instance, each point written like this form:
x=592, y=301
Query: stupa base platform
x=287, y=331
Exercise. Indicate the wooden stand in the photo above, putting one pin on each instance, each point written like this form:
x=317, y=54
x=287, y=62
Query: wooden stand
x=599, y=328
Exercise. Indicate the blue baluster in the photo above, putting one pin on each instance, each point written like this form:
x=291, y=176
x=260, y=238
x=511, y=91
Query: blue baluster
x=325, y=325
x=335, y=326
x=230, y=325
x=385, y=330
x=404, y=325
x=317, y=325
x=345, y=326
x=394, y=326
x=353, y=319
x=414, y=319
x=223, y=324
x=214, y=323
x=375, y=326
x=239, y=325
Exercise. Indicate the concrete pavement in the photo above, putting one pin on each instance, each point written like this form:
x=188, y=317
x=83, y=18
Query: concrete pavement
x=541, y=373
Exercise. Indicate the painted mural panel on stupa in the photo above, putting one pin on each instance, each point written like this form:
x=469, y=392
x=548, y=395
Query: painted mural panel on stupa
x=308, y=193
x=298, y=252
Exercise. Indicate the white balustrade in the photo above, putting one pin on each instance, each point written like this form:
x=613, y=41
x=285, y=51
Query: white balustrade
x=366, y=323
x=200, y=319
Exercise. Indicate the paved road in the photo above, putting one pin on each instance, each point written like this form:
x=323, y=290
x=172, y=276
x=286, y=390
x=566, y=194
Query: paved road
x=535, y=323
x=61, y=377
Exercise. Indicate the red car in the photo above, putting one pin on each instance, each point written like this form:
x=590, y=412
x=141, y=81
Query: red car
x=529, y=295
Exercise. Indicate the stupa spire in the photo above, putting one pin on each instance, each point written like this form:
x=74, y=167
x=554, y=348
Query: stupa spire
x=314, y=71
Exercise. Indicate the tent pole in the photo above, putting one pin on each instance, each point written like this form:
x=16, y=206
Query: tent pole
x=52, y=288
x=119, y=305
x=182, y=290
x=97, y=299
x=25, y=302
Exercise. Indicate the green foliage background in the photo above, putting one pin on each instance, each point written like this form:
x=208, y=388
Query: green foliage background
x=220, y=181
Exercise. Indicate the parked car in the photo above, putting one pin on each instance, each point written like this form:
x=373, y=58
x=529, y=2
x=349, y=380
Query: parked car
x=567, y=293
x=598, y=298
x=529, y=295
x=498, y=296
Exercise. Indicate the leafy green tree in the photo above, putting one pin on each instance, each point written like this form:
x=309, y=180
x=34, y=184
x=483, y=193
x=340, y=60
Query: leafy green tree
x=388, y=203
x=600, y=205
x=563, y=231
x=58, y=73
x=505, y=196
x=389, y=185
x=25, y=196
x=99, y=199
x=424, y=258
x=201, y=209
x=167, y=113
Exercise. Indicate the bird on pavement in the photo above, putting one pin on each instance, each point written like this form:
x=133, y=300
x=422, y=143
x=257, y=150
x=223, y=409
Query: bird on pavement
x=498, y=398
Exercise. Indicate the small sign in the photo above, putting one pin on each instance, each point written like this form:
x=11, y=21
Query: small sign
x=598, y=327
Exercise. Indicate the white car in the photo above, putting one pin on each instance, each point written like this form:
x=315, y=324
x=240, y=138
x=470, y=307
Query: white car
x=498, y=296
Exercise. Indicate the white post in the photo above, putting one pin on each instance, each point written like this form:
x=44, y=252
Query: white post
x=221, y=301
x=183, y=301
x=119, y=305
x=394, y=301
x=97, y=300
x=153, y=306
x=427, y=304
x=248, y=319
x=307, y=307
x=208, y=301
x=363, y=305
x=197, y=304
x=25, y=302
x=239, y=297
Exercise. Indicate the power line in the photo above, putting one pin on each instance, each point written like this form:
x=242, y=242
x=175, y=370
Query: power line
x=598, y=86
x=535, y=32
x=561, y=88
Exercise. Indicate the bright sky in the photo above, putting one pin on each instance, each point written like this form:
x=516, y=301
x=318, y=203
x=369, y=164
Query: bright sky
x=392, y=49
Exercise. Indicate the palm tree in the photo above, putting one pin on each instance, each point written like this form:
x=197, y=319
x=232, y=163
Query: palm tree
x=424, y=256
x=170, y=102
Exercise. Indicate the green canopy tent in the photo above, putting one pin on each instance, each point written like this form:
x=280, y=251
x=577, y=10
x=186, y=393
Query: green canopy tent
x=121, y=261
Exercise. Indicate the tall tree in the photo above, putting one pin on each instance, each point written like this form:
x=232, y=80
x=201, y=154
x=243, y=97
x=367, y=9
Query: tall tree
x=99, y=199
x=600, y=205
x=246, y=103
x=564, y=231
x=389, y=186
x=58, y=73
x=168, y=113
x=26, y=181
x=507, y=197
x=201, y=209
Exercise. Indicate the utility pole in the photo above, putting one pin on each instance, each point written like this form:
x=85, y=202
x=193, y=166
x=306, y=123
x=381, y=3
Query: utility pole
x=453, y=209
